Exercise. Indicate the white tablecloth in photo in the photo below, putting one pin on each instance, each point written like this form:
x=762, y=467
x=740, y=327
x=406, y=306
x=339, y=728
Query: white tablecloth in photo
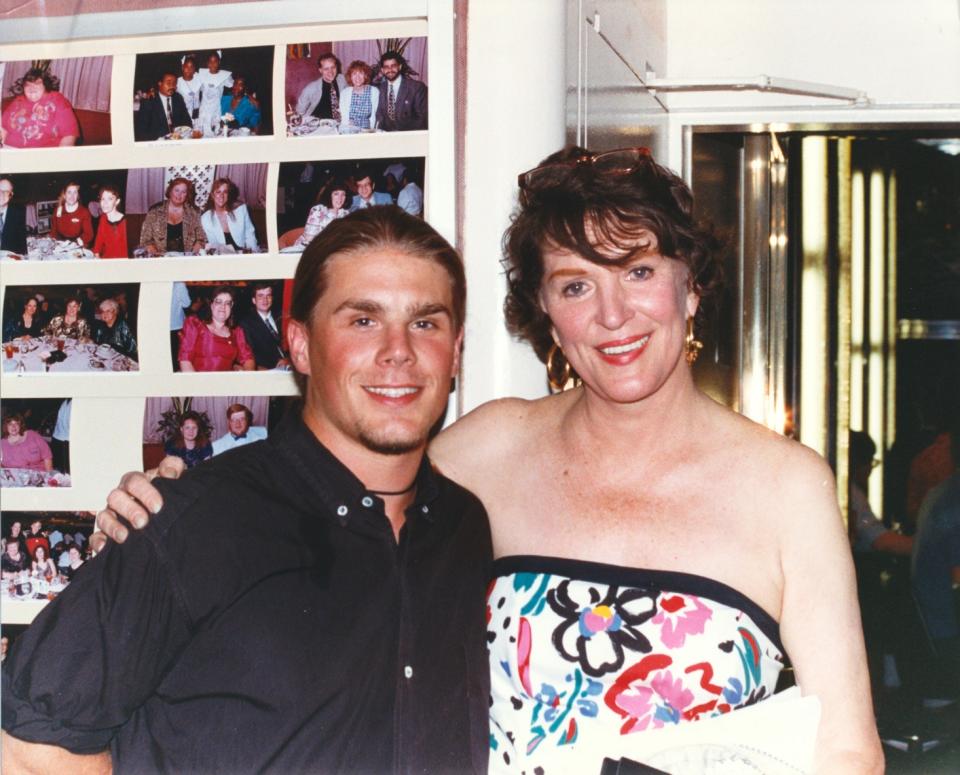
x=28, y=477
x=23, y=608
x=311, y=126
x=57, y=251
x=33, y=354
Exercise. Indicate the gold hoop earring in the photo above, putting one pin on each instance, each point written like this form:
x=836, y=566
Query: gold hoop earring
x=691, y=345
x=557, y=386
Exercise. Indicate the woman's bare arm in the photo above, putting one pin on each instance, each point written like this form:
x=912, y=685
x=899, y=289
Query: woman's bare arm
x=820, y=617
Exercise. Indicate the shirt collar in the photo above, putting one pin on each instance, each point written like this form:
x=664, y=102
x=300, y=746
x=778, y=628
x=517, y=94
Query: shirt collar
x=335, y=485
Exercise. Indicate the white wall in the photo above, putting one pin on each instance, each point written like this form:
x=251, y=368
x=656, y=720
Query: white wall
x=900, y=53
x=515, y=117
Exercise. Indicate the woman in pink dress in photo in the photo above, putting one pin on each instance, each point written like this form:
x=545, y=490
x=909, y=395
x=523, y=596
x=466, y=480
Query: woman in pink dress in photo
x=211, y=342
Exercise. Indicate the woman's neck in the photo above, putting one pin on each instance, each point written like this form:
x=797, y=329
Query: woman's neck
x=188, y=444
x=114, y=216
x=72, y=208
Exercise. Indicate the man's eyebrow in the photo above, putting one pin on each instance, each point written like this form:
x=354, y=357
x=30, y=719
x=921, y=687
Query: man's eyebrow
x=360, y=305
x=425, y=310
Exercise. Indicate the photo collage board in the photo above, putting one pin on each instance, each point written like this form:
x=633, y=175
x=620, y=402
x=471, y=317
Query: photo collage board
x=156, y=193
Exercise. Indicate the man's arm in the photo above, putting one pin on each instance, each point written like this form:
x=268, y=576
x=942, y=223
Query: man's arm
x=22, y=758
x=95, y=654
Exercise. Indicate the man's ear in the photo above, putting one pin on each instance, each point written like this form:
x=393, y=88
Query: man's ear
x=298, y=337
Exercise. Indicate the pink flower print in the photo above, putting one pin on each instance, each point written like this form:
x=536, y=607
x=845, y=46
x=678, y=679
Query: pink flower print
x=675, y=695
x=631, y=696
x=679, y=616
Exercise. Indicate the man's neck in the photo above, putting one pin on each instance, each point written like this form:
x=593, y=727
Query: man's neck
x=378, y=471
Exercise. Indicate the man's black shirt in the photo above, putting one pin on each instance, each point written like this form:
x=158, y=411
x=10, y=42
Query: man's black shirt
x=267, y=620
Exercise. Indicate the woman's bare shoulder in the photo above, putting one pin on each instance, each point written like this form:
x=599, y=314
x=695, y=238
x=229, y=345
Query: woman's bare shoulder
x=486, y=436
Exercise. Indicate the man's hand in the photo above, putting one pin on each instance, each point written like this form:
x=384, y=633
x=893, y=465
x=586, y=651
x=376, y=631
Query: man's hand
x=134, y=500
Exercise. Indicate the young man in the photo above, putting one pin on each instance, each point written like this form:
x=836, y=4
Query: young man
x=321, y=98
x=314, y=602
x=366, y=195
x=262, y=329
x=240, y=431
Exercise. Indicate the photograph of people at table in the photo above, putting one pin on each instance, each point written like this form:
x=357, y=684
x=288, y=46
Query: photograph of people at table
x=141, y=213
x=312, y=194
x=232, y=326
x=41, y=552
x=57, y=102
x=203, y=94
x=213, y=210
x=354, y=86
x=83, y=329
x=197, y=428
x=65, y=216
x=27, y=430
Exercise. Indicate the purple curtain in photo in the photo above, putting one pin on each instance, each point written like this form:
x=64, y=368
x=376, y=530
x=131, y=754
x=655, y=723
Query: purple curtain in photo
x=251, y=179
x=84, y=81
x=145, y=187
x=415, y=53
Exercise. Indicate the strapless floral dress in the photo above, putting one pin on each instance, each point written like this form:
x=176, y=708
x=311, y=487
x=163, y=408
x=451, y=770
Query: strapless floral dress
x=583, y=655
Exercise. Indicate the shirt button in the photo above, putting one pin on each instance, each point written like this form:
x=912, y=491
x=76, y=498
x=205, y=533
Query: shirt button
x=408, y=671
x=367, y=501
x=424, y=509
x=342, y=511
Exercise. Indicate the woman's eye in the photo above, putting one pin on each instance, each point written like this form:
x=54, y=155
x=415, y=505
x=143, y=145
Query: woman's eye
x=641, y=272
x=574, y=289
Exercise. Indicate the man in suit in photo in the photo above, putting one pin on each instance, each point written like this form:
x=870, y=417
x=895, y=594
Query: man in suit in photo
x=159, y=115
x=321, y=98
x=403, y=101
x=263, y=331
x=13, y=220
x=366, y=196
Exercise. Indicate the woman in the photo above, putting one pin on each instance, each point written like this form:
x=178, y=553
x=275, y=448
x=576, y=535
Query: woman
x=76, y=561
x=212, y=81
x=26, y=325
x=71, y=220
x=43, y=565
x=188, y=85
x=226, y=221
x=658, y=556
x=111, y=239
x=211, y=342
x=358, y=102
x=39, y=116
x=21, y=448
x=173, y=225
x=332, y=203
x=70, y=324
x=190, y=444
x=14, y=561
x=633, y=556
x=244, y=108
x=112, y=330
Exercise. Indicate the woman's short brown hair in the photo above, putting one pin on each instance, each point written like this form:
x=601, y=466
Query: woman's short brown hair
x=191, y=190
x=363, y=67
x=602, y=217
